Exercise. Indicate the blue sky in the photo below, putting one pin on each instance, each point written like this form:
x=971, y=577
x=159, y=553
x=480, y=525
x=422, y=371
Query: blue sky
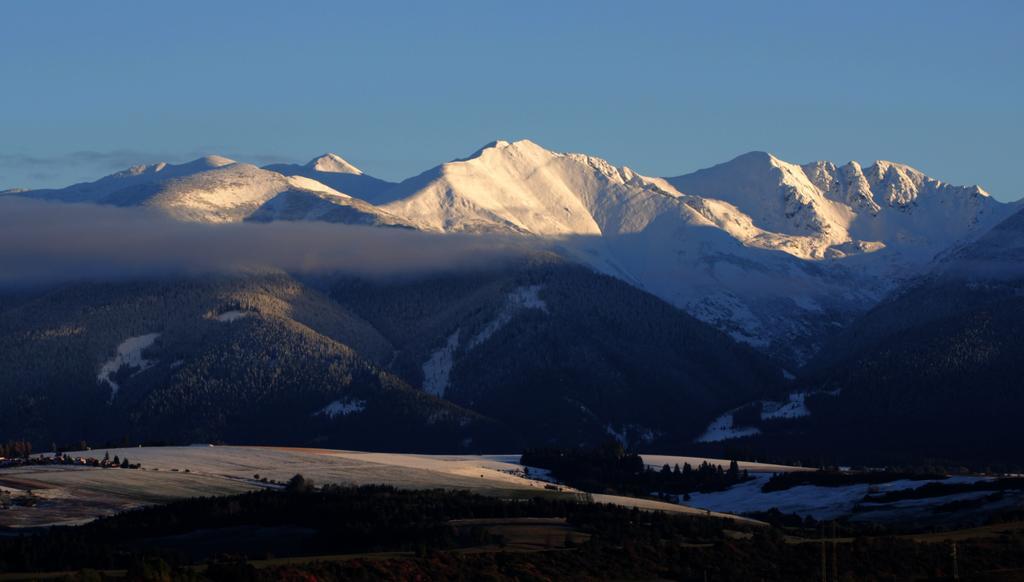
x=397, y=87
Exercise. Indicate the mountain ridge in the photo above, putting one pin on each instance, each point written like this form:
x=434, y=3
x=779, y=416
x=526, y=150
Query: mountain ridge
x=772, y=252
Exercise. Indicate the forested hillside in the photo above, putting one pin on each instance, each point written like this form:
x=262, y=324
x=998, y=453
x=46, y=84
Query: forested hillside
x=472, y=360
x=936, y=368
x=563, y=354
x=256, y=359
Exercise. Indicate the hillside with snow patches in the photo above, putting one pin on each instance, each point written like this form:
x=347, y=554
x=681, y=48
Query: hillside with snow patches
x=778, y=255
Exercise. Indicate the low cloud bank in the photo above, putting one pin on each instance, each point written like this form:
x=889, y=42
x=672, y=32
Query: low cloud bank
x=43, y=242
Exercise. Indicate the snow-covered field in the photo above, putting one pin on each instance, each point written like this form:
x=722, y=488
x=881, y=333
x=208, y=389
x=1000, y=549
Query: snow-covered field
x=229, y=316
x=723, y=428
x=342, y=408
x=68, y=494
x=129, y=353
x=76, y=494
x=819, y=502
x=793, y=406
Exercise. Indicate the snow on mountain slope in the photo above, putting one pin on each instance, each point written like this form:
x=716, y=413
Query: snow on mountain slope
x=773, y=253
x=841, y=210
x=334, y=171
x=776, y=195
x=129, y=353
x=244, y=192
x=996, y=256
x=503, y=187
x=766, y=298
x=334, y=164
x=135, y=182
x=216, y=190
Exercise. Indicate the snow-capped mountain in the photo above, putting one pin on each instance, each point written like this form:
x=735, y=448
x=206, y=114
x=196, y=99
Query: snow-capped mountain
x=215, y=189
x=832, y=211
x=117, y=188
x=336, y=172
x=776, y=254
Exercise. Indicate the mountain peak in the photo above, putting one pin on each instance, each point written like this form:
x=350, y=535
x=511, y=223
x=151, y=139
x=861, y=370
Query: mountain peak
x=756, y=154
x=503, y=145
x=753, y=161
x=211, y=161
x=333, y=164
x=161, y=168
x=498, y=144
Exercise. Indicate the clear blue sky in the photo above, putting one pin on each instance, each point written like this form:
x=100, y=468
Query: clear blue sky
x=397, y=87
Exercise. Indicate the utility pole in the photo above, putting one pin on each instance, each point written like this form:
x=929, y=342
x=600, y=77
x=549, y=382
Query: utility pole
x=956, y=566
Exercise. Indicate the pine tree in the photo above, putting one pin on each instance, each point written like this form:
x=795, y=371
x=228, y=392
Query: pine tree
x=734, y=471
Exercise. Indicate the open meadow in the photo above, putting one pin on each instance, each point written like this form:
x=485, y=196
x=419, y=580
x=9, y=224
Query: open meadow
x=68, y=495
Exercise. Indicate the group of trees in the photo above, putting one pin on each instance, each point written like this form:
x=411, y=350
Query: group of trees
x=16, y=449
x=611, y=468
x=344, y=519
x=935, y=368
x=836, y=478
x=152, y=543
x=939, y=489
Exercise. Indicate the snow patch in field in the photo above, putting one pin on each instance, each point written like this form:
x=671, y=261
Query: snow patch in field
x=341, y=408
x=233, y=315
x=520, y=298
x=437, y=370
x=129, y=353
x=795, y=407
x=803, y=500
x=528, y=298
x=722, y=429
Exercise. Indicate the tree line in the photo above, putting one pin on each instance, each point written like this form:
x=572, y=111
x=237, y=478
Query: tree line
x=610, y=468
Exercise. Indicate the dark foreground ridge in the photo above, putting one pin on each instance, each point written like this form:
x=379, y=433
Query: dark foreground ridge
x=378, y=532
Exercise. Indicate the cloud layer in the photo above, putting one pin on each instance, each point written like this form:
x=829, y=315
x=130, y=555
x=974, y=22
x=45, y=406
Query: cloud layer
x=44, y=242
